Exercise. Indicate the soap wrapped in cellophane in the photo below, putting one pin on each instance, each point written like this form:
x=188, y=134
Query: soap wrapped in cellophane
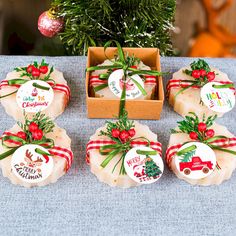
x=202, y=89
x=125, y=154
x=112, y=88
x=36, y=87
x=201, y=151
x=35, y=153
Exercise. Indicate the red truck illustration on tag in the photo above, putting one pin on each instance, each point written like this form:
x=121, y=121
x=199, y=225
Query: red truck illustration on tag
x=195, y=164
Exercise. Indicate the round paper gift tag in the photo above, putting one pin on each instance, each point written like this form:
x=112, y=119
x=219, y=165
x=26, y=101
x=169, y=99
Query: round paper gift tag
x=34, y=96
x=195, y=160
x=116, y=84
x=217, y=99
x=30, y=166
x=143, y=165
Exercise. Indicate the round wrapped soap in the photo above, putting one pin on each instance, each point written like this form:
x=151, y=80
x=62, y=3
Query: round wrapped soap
x=149, y=85
x=33, y=99
x=23, y=167
x=109, y=174
x=207, y=172
x=190, y=99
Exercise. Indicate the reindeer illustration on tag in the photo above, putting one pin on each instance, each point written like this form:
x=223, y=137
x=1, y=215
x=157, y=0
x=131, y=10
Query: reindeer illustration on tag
x=31, y=163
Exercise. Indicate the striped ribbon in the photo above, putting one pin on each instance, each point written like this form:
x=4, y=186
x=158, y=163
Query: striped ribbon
x=223, y=143
x=96, y=144
x=57, y=87
x=178, y=83
x=94, y=80
x=55, y=150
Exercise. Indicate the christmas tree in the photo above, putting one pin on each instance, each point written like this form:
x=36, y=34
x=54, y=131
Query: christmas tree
x=186, y=157
x=134, y=23
x=151, y=169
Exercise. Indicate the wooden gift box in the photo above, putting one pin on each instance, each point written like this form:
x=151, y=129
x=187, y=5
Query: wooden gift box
x=137, y=109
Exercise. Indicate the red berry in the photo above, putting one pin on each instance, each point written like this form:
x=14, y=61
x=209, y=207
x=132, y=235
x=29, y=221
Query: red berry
x=33, y=127
x=202, y=127
x=202, y=72
x=193, y=135
x=115, y=133
x=131, y=132
x=30, y=69
x=211, y=76
x=196, y=74
x=21, y=134
x=43, y=69
x=37, y=135
x=134, y=67
x=35, y=72
x=210, y=133
x=124, y=135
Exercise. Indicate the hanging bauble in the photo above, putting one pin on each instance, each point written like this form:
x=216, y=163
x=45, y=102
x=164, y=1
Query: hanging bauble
x=49, y=24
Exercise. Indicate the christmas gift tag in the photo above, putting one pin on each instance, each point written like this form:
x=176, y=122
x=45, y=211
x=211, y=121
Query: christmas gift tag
x=143, y=165
x=116, y=84
x=34, y=96
x=195, y=160
x=30, y=166
x=217, y=99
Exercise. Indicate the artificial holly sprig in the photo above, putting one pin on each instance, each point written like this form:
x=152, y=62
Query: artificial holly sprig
x=201, y=72
x=34, y=70
x=35, y=129
x=121, y=130
x=122, y=133
x=33, y=132
x=198, y=130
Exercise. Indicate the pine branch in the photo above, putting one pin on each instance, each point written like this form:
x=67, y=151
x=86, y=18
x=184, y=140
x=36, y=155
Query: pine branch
x=134, y=23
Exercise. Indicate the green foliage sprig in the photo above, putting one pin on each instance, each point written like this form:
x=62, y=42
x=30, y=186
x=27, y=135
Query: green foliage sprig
x=198, y=65
x=190, y=124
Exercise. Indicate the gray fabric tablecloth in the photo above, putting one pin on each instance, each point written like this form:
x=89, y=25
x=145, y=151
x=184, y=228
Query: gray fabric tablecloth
x=78, y=204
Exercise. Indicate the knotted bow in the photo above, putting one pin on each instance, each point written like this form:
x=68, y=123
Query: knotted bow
x=111, y=148
x=47, y=143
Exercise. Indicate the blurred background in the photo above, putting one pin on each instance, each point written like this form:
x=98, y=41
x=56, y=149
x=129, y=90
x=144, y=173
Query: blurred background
x=201, y=28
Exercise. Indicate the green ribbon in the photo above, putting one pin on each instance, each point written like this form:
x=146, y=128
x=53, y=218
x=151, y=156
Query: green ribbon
x=223, y=86
x=207, y=142
x=23, y=81
x=111, y=150
x=45, y=142
x=121, y=63
x=41, y=87
x=41, y=152
x=198, y=82
x=146, y=153
x=17, y=81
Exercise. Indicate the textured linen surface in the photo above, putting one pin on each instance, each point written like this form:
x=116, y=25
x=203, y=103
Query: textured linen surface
x=78, y=204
